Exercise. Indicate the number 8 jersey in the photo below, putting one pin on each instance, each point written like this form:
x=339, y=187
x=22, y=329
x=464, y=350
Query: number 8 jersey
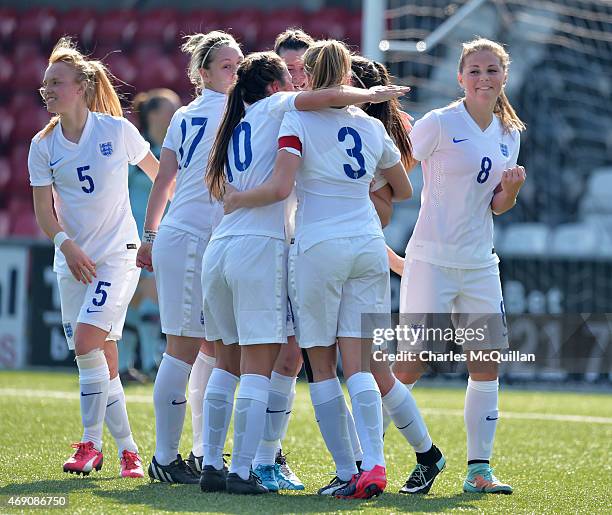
x=90, y=184
x=462, y=166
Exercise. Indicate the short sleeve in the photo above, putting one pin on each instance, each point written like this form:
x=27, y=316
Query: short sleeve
x=136, y=146
x=516, y=136
x=281, y=103
x=38, y=164
x=378, y=182
x=425, y=136
x=391, y=154
x=173, y=134
x=292, y=127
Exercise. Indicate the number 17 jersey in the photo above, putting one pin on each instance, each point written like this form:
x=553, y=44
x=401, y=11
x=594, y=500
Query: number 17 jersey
x=462, y=166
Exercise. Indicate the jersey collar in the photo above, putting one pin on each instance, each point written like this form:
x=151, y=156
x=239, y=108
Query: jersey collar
x=84, y=135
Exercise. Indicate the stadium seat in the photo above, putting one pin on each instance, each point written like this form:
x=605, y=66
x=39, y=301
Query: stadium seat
x=200, y=21
x=28, y=124
x=5, y=224
x=78, y=23
x=524, y=239
x=20, y=179
x=244, y=25
x=8, y=25
x=7, y=122
x=277, y=21
x=577, y=240
x=353, y=30
x=116, y=28
x=155, y=69
x=157, y=25
x=29, y=66
x=328, y=22
x=25, y=225
x=5, y=175
x=37, y=24
x=121, y=66
x=6, y=73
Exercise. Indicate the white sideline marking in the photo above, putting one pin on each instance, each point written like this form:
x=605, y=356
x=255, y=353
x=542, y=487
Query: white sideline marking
x=148, y=399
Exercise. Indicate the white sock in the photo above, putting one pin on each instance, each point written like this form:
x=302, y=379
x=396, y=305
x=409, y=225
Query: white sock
x=386, y=418
x=330, y=411
x=276, y=415
x=367, y=411
x=249, y=421
x=355, y=443
x=216, y=415
x=290, y=401
x=402, y=408
x=170, y=403
x=198, y=379
x=94, y=379
x=480, y=415
x=116, y=418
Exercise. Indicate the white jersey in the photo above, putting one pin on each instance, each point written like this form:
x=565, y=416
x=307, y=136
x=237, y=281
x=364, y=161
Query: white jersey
x=90, y=184
x=251, y=155
x=341, y=150
x=462, y=166
x=190, y=136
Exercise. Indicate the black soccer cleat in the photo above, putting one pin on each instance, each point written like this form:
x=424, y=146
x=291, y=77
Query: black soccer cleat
x=213, y=480
x=175, y=472
x=195, y=463
x=252, y=486
x=422, y=477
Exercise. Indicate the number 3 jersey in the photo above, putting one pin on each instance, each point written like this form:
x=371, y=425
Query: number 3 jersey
x=190, y=136
x=462, y=166
x=341, y=150
x=90, y=184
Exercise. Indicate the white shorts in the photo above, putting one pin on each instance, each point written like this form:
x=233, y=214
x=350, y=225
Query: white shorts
x=104, y=302
x=177, y=262
x=473, y=297
x=245, y=290
x=333, y=284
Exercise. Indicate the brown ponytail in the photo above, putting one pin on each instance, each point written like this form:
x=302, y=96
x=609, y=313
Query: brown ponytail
x=368, y=74
x=254, y=74
x=100, y=95
x=503, y=109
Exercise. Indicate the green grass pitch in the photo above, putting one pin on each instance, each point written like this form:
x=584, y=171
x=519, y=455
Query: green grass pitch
x=554, y=448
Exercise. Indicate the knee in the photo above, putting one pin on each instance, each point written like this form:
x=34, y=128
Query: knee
x=407, y=377
x=288, y=362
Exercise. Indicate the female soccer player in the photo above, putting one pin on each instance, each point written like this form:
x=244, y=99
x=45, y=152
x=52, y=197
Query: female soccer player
x=178, y=249
x=337, y=266
x=78, y=168
x=469, y=152
x=247, y=256
x=398, y=403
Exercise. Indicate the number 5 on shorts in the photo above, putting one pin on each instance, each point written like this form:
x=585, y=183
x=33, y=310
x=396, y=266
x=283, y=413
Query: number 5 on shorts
x=100, y=291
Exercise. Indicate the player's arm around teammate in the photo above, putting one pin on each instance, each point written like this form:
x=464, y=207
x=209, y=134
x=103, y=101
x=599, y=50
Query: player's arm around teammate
x=469, y=153
x=78, y=165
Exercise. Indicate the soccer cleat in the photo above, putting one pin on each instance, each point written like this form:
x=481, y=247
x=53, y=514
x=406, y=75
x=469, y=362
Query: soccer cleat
x=267, y=475
x=285, y=477
x=212, y=479
x=422, y=477
x=252, y=486
x=366, y=484
x=333, y=486
x=480, y=479
x=175, y=472
x=131, y=464
x=195, y=463
x=85, y=459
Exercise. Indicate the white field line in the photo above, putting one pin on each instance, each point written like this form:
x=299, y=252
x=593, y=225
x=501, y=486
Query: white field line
x=148, y=399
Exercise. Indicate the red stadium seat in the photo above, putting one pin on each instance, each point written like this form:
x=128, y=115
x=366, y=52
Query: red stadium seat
x=6, y=73
x=79, y=23
x=328, y=22
x=244, y=25
x=7, y=123
x=353, y=29
x=157, y=25
x=5, y=174
x=20, y=179
x=120, y=65
x=22, y=100
x=25, y=225
x=28, y=124
x=155, y=70
x=277, y=21
x=8, y=24
x=116, y=27
x=29, y=72
x=5, y=224
x=200, y=21
x=37, y=24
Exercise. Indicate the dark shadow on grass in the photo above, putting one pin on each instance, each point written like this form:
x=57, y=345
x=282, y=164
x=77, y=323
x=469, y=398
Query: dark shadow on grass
x=184, y=498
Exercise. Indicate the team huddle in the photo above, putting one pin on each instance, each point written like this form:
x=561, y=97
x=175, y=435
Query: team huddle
x=280, y=174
